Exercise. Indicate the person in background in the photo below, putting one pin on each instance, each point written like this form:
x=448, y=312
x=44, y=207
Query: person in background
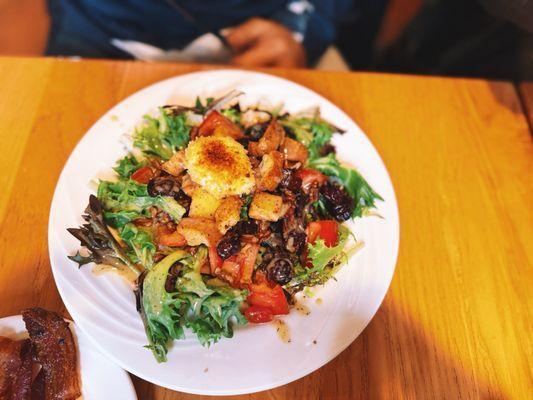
x=283, y=33
x=486, y=38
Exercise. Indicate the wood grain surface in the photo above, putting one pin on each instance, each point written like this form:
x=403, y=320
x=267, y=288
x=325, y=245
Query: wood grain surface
x=456, y=322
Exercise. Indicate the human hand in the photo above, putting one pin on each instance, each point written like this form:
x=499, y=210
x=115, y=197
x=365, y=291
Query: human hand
x=260, y=42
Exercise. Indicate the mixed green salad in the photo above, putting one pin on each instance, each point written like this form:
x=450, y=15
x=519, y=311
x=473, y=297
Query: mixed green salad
x=220, y=215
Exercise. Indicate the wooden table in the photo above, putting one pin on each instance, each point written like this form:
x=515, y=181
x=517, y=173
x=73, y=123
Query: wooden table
x=456, y=320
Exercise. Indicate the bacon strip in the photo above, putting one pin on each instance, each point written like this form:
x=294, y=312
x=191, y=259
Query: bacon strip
x=15, y=369
x=55, y=350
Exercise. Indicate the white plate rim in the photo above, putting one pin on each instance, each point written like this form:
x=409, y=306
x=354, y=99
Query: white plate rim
x=302, y=372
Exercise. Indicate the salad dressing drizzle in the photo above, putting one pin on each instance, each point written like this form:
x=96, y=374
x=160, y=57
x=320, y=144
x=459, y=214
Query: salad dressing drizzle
x=283, y=330
x=302, y=309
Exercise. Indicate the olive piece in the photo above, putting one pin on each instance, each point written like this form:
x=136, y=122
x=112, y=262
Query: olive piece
x=229, y=245
x=244, y=142
x=174, y=273
x=327, y=149
x=338, y=203
x=279, y=270
x=256, y=131
x=295, y=241
x=183, y=200
x=162, y=186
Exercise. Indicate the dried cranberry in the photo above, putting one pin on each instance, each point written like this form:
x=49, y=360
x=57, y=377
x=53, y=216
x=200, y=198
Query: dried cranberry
x=290, y=181
x=229, y=245
x=338, y=203
x=246, y=227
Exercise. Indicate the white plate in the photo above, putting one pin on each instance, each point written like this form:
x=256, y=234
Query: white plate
x=254, y=359
x=100, y=379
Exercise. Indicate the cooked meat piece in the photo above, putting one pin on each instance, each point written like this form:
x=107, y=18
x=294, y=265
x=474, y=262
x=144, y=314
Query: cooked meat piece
x=15, y=369
x=270, y=141
x=199, y=231
x=217, y=124
x=270, y=171
x=38, y=386
x=55, y=350
x=266, y=207
x=294, y=150
x=176, y=165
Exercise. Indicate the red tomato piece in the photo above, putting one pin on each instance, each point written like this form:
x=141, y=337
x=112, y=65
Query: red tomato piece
x=273, y=298
x=217, y=124
x=258, y=315
x=327, y=230
x=310, y=176
x=142, y=175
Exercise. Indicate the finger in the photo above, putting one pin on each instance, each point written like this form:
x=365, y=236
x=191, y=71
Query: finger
x=262, y=55
x=243, y=36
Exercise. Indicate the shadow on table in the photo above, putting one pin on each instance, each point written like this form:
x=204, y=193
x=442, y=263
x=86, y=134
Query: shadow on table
x=508, y=96
x=393, y=358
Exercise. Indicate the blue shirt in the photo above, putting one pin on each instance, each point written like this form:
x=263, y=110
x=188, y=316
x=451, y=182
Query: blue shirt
x=87, y=27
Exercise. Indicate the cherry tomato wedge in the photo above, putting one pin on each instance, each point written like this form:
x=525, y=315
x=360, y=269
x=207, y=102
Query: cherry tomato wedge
x=327, y=230
x=218, y=125
x=273, y=298
x=142, y=175
x=258, y=315
x=310, y=176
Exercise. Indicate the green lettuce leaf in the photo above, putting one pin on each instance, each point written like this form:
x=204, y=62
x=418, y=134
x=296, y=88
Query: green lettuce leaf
x=313, y=133
x=126, y=200
x=232, y=114
x=208, y=310
x=127, y=166
x=141, y=244
x=325, y=260
x=357, y=187
x=163, y=135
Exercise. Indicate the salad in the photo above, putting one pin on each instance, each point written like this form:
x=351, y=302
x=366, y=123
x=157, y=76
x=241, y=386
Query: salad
x=220, y=214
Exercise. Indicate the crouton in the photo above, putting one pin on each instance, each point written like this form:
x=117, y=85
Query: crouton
x=228, y=213
x=203, y=204
x=270, y=171
x=266, y=207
